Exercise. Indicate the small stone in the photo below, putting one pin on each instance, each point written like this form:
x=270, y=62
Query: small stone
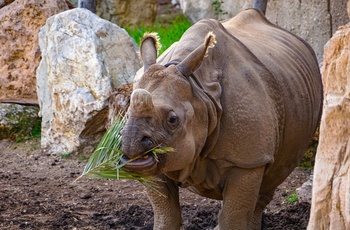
x=86, y=196
x=305, y=191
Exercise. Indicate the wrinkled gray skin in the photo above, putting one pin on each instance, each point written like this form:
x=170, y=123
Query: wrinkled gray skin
x=239, y=115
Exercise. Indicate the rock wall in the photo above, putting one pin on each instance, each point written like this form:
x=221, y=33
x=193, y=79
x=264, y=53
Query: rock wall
x=313, y=20
x=128, y=12
x=19, y=49
x=331, y=186
x=83, y=58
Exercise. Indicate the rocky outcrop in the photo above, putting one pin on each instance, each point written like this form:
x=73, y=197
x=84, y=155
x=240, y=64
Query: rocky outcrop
x=128, y=12
x=313, y=20
x=331, y=185
x=83, y=58
x=19, y=49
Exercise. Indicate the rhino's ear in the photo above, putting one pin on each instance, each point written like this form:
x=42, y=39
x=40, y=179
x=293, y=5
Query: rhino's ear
x=195, y=58
x=148, y=49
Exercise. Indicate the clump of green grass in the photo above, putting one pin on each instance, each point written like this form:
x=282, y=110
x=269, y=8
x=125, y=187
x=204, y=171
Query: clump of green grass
x=169, y=32
x=292, y=198
x=66, y=155
x=105, y=160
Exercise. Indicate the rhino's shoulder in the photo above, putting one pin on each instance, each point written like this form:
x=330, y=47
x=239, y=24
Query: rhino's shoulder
x=247, y=17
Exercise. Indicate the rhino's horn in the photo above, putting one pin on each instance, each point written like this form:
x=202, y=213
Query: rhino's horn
x=149, y=48
x=195, y=58
x=141, y=102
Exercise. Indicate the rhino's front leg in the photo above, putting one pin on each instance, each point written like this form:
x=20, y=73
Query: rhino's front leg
x=240, y=196
x=166, y=207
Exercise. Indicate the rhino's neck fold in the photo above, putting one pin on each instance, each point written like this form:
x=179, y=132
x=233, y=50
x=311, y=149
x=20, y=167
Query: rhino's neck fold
x=210, y=94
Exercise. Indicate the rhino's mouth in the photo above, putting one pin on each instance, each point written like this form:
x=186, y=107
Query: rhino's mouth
x=145, y=162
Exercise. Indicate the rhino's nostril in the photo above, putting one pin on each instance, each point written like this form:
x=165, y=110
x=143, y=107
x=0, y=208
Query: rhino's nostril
x=147, y=143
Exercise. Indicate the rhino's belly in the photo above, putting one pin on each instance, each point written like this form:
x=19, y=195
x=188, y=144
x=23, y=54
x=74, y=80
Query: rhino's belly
x=209, y=193
x=205, y=179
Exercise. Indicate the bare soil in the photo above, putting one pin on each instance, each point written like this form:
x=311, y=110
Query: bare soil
x=37, y=191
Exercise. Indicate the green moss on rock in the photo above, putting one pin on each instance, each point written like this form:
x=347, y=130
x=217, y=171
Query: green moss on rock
x=18, y=122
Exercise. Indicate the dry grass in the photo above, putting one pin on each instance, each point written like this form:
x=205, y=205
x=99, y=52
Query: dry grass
x=105, y=160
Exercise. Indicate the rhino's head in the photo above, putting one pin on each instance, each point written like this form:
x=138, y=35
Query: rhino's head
x=165, y=110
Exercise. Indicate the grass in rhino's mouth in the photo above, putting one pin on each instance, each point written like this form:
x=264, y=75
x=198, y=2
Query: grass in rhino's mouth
x=106, y=161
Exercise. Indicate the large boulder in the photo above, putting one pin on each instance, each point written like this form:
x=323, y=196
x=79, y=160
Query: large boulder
x=313, y=20
x=83, y=58
x=19, y=49
x=197, y=10
x=331, y=185
x=128, y=12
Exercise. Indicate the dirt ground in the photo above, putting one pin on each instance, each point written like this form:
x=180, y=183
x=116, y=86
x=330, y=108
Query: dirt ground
x=37, y=191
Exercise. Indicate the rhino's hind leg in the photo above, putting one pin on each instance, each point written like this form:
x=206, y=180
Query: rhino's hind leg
x=257, y=220
x=240, y=197
x=166, y=207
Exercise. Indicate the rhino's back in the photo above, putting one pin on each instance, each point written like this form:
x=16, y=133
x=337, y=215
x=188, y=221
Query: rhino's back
x=294, y=66
x=289, y=58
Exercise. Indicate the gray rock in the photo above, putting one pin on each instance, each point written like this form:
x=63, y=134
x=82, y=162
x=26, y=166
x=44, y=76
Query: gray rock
x=18, y=121
x=305, y=191
x=83, y=59
x=197, y=10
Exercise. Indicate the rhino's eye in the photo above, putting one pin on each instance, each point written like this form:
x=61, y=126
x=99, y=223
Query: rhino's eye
x=172, y=120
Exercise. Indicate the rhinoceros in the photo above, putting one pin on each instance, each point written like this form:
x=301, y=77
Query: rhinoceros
x=238, y=102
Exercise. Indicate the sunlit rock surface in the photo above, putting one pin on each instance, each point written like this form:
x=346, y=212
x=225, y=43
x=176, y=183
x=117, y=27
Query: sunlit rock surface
x=83, y=59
